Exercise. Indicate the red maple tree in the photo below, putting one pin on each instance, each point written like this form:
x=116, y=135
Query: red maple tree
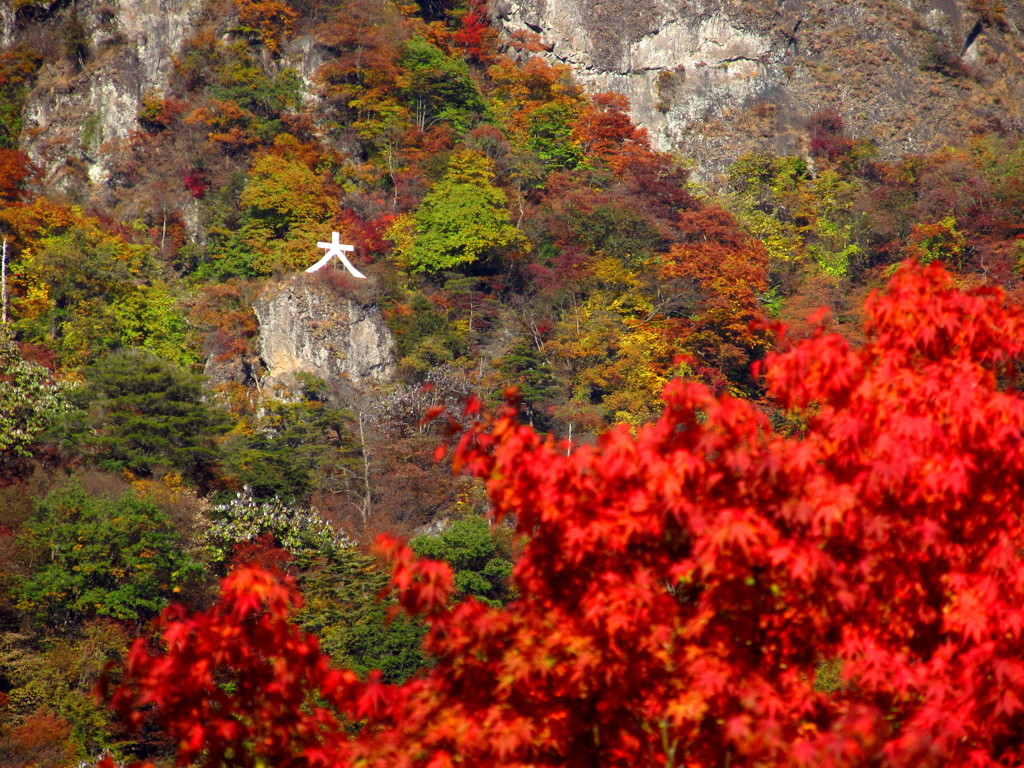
x=681, y=586
x=475, y=36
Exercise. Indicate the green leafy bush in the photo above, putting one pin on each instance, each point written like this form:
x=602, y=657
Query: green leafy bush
x=464, y=218
x=96, y=556
x=470, y=547
x=30, y=398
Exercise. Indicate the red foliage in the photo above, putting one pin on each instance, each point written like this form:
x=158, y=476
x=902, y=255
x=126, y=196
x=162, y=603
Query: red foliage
x=679, y=586
x=39, y=354
x=196, y=183
x=158, y=114
x=16, y=173
x=571, y=266
x=475, y=37
x=370, y=234
x=262, y=551
x=828, y=135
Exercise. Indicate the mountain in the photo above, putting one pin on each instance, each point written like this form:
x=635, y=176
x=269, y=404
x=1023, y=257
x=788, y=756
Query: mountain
x=713, y=79
x=167, y=168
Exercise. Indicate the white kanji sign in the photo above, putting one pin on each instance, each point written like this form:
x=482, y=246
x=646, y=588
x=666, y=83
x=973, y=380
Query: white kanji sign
x=336, y=248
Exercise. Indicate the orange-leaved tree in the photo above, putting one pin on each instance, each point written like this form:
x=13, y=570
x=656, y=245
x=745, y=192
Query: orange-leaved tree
x=680, y=587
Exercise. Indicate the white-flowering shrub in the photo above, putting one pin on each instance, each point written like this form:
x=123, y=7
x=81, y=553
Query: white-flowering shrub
x=243, y=518
x=30, y=397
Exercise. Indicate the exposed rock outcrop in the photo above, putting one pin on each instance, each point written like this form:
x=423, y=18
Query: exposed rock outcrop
x=6, y=25
x=307, y=326
x=715, y=78
x=79, y=106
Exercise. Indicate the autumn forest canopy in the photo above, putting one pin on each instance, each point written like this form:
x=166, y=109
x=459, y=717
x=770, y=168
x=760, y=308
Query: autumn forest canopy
x=640, y=466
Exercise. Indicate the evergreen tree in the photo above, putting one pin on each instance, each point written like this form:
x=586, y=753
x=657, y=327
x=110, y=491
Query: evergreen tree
x=147, y=412
x=480, y=564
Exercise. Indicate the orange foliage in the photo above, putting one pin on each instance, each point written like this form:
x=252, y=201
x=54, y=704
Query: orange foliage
x=606, y=132
x=364, y=38
x=223, y=313
x=521, y=88
x=16, y=173
x=273, y=19
x=37, y=219
x=231, y=126
x=730, y=266
x=40, y=739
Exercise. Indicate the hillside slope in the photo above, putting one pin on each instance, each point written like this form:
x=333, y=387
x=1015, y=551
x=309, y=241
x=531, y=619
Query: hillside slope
x=714, y=78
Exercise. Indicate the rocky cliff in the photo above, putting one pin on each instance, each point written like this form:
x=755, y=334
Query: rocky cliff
x=715, y=78
x=114, y=55
x=711, y=78
x=308, y=326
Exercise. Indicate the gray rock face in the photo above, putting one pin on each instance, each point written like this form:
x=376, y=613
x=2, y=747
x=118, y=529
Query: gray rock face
x=306, y=326
x=156, y=30
x=715, y=78
x=6, y=25
x=72, y=113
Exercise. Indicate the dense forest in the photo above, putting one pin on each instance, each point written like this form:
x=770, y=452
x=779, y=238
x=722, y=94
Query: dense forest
x=522, y=240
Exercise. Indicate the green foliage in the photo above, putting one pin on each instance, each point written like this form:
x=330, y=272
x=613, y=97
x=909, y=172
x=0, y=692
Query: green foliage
x=75, y=40
x=97, y=556
x=92, y=131
x=481, y=565
x=616, y=230
x=224, y=256
x=939, y=241
x=831, y=241
x=828, y=677
x=764, y=187
x=83, y=291
x=425, y=337
x=606, y=351
x=462, y=219
x=526, y=367
x=30, y=398
x=240, y=79
x=292, y=446
x=1002, y=162
x=150, y=318
x=284, y=209
x=342, y=606
x=795, y=214
x=148, y=412
x=79, y=263
x=550, y=135
x=59, y=678
x=341, y=587
x=438, y=88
